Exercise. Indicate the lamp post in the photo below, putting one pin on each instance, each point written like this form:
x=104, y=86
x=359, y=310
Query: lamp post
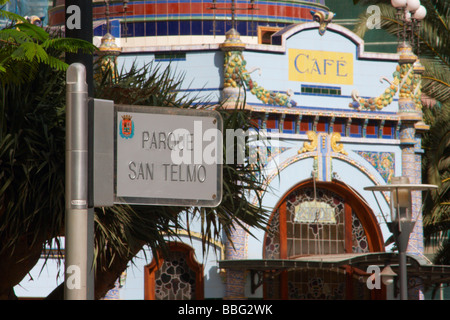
x=410, y=13
x=402, y=220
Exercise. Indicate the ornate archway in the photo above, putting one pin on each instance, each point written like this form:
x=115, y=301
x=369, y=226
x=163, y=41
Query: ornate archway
x=174, y=276
x=317, y=218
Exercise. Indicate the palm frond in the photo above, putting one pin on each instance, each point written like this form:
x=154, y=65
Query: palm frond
x=11, y=15
x=434, y=38
x=13, y=35
x=388, y=18
x=434, y=32
x=33, y=31
x=29, y=51
x=69, y=45
x=442, y=256
x=436, y=160
x=152, y=85
x=25, y=46
x=31, y=139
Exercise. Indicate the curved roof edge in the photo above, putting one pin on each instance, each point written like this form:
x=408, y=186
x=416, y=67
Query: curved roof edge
x=280, y=38
x=278, y=43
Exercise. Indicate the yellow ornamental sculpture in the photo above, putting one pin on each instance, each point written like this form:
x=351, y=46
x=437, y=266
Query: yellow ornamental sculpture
x=406, y=81
x=312, y=145
x=335, y=146
x=382, y=100
x=236, y=74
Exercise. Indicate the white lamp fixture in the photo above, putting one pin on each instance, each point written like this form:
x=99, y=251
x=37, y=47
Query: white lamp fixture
x=387, y=275
x=408, y=16
x=412, y=5
x=401, y=200
x=400, y=190
x=402, y=220
x=398, y=3
x=420, y=13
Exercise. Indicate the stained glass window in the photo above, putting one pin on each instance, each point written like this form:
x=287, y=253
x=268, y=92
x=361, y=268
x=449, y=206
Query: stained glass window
x=316, y=285
x=175, y=280
x=315, y=224
x=359, y=238
x=272, y=246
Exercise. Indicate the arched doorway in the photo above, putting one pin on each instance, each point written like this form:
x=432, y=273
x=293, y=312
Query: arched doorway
x=174, y=276
x=318, y=218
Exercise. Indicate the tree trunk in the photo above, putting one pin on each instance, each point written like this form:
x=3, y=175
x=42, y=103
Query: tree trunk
x=105, y=279
x=16, y=264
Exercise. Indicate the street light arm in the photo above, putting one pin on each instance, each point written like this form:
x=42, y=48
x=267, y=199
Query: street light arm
x=392, y=187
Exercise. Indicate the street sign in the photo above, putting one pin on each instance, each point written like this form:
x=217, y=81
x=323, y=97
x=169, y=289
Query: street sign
x=168, y=156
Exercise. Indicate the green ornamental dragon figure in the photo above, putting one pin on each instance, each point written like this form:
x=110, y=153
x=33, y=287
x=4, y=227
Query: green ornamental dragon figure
x=236, y=74
x=406, y=81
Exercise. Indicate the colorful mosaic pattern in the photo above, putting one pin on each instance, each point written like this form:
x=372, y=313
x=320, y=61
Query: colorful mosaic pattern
x=236, y=248
x=359, y=238
x=114, y=293
x=406, y=81
x=382, y=100
x=411, y=170
x=383, y=162
x=316, y=285
x=182, y=14
x=175, y=280
x=236, y=75
x=417, y=84
x=272, y=246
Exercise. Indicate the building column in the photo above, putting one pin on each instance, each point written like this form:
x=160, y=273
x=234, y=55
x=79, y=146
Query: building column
x=236, y=249
x=410, y=114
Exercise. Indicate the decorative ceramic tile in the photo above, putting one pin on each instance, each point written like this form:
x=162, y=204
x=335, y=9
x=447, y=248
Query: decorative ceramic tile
x=383, y=162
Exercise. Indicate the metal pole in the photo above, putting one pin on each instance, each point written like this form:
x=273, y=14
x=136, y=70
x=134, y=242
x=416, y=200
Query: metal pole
x=402, y=235
x=79, y=243
x=80, y=11
x=403, y=277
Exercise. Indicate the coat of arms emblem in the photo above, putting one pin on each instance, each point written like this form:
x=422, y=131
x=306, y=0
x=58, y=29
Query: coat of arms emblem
x=126, y=127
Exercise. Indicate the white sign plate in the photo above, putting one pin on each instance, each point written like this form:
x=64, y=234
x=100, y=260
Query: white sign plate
x=168, y=156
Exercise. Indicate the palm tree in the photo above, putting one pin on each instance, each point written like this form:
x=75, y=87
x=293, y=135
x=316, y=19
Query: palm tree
x=31, y=143
x=125, y=230
x=32, y=210
x=26, y=46
x=436, y=168
x=434, y=37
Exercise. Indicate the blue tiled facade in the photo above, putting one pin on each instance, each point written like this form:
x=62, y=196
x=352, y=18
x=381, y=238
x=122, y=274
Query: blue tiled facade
x=324, y=126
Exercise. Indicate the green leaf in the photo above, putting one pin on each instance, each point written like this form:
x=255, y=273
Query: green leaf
x=13, y=36
x=69, y=45
x=33, y=31
x=30, y=51
x=11, y=16
x=57, y=63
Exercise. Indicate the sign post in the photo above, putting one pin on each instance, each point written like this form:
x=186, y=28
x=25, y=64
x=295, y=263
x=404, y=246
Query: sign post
x=163, y=156
x=79, y=237
x=168, y=156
